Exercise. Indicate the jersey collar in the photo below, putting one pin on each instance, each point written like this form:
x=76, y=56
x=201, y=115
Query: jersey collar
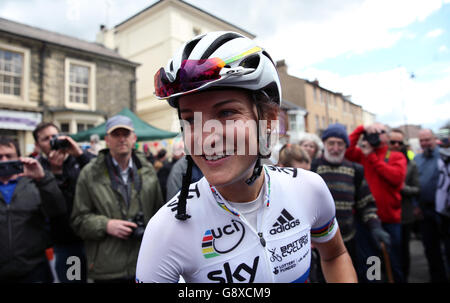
x=223, y=203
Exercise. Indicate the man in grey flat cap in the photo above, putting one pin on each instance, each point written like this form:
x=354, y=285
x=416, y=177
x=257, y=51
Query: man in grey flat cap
x=116, y=195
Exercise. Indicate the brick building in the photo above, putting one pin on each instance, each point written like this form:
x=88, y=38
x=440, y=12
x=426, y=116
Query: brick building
x=322, y=106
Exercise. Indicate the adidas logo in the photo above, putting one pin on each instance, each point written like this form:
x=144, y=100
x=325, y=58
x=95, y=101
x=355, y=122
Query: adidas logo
x=284, y=222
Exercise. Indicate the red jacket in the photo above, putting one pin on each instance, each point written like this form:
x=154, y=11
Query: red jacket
x=385, y=179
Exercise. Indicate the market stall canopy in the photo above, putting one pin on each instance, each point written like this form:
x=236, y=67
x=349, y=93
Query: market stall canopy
x=144, y=131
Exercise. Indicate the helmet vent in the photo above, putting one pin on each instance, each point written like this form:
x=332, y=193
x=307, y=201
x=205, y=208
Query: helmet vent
x=218, y=43
x=251, y=61
x=188, y=48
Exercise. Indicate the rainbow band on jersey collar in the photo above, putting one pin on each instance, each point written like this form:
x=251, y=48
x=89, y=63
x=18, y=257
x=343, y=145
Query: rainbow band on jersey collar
x=221, y=204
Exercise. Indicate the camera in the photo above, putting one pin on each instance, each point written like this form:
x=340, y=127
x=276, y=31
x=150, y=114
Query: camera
x=138, y=232
x=56, y=143
x=372, y=138
x=9, y=168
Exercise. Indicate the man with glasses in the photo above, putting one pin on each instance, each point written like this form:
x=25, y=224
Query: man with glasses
x=116, y=195
x=354, y=201
x=385, y=172
x=410, y=192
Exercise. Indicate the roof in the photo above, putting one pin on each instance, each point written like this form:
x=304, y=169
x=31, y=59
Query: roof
x=35, y=33
x=345, y=97
x=285, y=104
x=194, y=7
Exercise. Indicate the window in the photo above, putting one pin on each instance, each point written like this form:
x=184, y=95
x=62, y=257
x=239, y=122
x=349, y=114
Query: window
x=81, y=127
x=314, y=94
x=296, y=120
x=84, y=126
x=80, y=84
x=10, y=72
x=333, y=101
x=317, y=122
x=65, y=128
x=14, y=75
x=292, y=122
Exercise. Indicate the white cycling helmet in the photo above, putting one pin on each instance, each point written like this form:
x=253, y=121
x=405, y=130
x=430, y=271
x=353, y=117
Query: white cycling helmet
x=218, y=59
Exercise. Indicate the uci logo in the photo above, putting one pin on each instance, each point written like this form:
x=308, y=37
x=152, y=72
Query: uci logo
x=222, y=240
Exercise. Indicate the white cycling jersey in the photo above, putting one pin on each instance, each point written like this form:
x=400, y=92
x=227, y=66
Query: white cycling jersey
x=218, y=245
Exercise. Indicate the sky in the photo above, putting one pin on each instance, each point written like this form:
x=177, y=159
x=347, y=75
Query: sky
x=391, y=56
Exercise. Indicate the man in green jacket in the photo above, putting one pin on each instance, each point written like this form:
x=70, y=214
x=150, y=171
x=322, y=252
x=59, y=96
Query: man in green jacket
x=116, y=195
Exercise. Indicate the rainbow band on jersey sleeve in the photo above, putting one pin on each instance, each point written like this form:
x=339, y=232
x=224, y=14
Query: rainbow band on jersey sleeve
x=323, y=230
x=246, y=53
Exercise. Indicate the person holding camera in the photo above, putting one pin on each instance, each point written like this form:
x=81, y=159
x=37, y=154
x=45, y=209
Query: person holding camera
x=64, y=158
x=385, y=172
x=29, y=195
x=116, y=195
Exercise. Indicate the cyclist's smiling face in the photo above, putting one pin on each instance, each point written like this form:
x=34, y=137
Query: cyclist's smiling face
x=220, y=133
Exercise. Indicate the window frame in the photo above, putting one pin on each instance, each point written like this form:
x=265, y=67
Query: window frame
x=24, y=97
x=91, y=102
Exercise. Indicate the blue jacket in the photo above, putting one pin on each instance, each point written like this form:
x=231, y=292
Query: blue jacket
x=428, y=177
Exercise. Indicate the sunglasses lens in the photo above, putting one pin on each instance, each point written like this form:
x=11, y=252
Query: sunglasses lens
x=396, y=142
x=192, y=74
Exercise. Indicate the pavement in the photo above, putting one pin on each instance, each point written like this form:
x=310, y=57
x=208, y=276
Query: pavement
x=419, y=266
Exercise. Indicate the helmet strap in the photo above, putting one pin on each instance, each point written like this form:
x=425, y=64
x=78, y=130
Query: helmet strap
x=181, y=208
x=186, y=181
x=263, y=150
x=256, y=172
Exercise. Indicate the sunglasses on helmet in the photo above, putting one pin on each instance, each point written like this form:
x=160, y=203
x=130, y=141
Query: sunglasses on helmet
x=196, y=74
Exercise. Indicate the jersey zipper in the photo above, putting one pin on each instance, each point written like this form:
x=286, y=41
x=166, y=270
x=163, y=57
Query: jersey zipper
x=263, y=243
x=234, y=212
x=261, y=238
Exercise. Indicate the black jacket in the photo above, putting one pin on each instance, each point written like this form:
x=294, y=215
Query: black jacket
x=61, y=231
x=24, y=234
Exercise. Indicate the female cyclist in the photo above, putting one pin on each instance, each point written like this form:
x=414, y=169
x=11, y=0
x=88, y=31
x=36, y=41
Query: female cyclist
x=243, y=221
